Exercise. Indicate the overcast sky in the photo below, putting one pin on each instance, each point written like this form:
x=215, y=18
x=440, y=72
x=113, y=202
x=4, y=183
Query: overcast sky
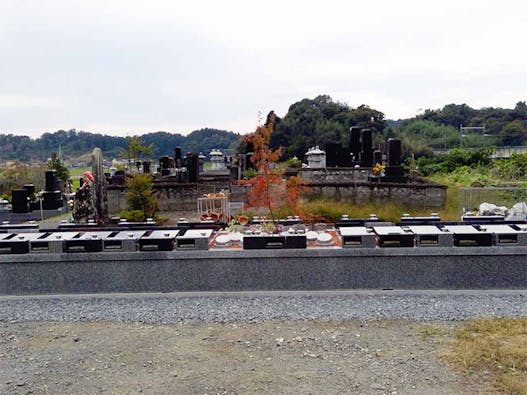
x=130, y=67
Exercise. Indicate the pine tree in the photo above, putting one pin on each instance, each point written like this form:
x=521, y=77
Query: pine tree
x=54, y=163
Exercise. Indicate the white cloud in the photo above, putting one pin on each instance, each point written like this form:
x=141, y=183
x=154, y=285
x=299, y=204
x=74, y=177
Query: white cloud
x=10, y=102
x=131, y=66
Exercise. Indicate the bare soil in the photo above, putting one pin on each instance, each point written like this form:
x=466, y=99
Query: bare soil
x=292, y=357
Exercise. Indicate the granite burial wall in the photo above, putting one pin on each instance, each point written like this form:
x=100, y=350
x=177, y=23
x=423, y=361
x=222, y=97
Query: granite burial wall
x=313, y=269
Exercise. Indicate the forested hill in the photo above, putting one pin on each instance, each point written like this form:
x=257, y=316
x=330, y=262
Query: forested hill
x=322, y=120
x=459, y=125
x=319, y=121
x=75, y=143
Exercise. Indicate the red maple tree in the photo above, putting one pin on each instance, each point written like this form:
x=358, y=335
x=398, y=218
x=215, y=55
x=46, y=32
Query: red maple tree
x=268, y=187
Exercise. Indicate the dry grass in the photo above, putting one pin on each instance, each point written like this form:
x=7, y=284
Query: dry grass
x=495, y=348
x=430, y=330
x=388, y=211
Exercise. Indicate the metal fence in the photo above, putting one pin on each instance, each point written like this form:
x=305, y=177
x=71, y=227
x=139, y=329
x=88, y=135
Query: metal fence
x=471, y=198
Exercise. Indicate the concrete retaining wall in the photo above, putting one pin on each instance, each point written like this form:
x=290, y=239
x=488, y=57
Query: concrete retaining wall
x=312, y=269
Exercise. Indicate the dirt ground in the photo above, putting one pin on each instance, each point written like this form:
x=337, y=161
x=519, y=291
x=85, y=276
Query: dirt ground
x=299, y=357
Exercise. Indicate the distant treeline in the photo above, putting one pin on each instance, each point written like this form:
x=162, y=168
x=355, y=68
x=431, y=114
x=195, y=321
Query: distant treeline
x=307, y=123
x=75, y=143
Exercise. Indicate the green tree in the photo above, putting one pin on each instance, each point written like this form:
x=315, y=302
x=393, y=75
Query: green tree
x=451, y=114
x=431, y=133
x=136, y=150
x=513, y=133
x=320, y=121
x=140, y=196
x=54, y=163
x=520, y=110
x=205, y=140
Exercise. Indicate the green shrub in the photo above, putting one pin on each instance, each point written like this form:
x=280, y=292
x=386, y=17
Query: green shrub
x=511, y=169
x=250, y=173
x=132, y=215
x=294, y=162
x=6, y=196
x=140, y=196
x=453, y=159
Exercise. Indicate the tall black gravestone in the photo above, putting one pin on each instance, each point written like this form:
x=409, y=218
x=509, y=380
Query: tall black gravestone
x=192, y=164
x=355, y=144
x=394, y=171
x=19, y=201
x=52, y=196
x=377, y=157
x=366, y=149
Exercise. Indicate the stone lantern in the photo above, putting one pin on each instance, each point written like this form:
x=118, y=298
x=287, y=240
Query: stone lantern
x=316, y=158
x=216, y=157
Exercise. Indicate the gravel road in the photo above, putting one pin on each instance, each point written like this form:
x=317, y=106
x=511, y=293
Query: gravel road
x=261, y=306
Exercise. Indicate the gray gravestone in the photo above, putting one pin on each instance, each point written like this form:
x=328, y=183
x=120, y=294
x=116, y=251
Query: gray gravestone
x=101, y=198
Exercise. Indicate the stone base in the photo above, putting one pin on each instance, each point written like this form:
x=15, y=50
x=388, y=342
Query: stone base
x=284, y=269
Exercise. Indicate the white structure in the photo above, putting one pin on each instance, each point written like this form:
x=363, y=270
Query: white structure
x=216, y=157
x=316, y=158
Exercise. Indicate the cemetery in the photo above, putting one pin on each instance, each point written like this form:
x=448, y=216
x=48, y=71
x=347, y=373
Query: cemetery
x=224, y=250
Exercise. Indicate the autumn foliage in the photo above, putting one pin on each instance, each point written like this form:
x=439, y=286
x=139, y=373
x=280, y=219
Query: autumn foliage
x=268, y=187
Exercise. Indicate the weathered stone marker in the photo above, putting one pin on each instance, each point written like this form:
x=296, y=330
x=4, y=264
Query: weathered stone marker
x=101, y=198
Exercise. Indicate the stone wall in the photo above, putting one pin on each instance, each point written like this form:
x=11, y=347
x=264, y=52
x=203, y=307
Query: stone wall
x=347, y=184
x=170, y=196
x=414, y=195
x=254, y=270
x=343, y=174
x=351, y=184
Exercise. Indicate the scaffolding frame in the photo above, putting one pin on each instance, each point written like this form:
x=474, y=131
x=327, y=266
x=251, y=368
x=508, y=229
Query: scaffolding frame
x=216, y=208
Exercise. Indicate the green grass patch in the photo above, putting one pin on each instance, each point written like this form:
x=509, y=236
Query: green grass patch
x=76, y=175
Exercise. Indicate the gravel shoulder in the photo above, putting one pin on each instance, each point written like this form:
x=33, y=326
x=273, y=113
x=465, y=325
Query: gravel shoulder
x=430, y=305
x=361, y=342
x=291, y=357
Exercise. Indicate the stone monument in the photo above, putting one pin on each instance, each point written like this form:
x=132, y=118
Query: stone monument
x=99, y=185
